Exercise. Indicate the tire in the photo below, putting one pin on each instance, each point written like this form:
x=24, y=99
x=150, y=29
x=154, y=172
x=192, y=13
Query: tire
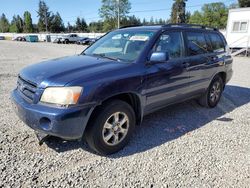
x=105, y=135
x=66, y=41
x=212, y=96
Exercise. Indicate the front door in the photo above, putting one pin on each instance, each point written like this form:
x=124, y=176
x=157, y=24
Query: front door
x=167, y=82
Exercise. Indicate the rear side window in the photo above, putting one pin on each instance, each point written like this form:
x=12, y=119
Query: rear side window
x=216, y=42
x=196, y=43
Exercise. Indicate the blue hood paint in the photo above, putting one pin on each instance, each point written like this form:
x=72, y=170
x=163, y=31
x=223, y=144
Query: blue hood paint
x=59, y=72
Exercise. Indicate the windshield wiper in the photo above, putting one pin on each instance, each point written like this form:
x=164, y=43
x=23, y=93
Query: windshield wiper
x=107, y=57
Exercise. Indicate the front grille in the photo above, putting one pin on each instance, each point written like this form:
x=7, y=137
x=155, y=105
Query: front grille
x=26, y=88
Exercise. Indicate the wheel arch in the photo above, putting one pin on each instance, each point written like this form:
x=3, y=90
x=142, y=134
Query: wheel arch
x=131, y=98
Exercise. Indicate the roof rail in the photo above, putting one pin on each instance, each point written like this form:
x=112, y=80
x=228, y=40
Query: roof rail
x=190, y=26
x=127, y=26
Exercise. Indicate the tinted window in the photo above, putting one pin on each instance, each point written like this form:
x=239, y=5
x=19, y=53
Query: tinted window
x=216, y=42
x=170, y=42
x=196, y=43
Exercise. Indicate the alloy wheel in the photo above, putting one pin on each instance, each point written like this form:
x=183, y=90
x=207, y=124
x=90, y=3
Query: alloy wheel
x=115, y=128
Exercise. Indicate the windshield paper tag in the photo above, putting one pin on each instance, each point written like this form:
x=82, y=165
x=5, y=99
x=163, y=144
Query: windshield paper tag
x=139, y=38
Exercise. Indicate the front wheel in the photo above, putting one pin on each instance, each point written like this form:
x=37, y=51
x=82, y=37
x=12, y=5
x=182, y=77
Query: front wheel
x=212, y=96
x=112, y=127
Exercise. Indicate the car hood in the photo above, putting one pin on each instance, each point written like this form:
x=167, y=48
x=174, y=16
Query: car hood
x=59, y=72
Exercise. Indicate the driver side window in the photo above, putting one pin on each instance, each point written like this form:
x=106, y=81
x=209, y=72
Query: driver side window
x=170, y=42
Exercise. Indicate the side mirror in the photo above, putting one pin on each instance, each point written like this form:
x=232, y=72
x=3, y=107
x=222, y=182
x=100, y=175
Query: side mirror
x=159, y=57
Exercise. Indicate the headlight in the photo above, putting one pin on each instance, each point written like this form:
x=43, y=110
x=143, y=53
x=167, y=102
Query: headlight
x=61, y=95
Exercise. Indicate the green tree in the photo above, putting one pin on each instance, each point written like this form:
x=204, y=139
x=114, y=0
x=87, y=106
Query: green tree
x=96, y=26
x=244, y=3
x=81, y=25
x=213, y=14
x=187, y=16
x=109, y=24
x=178, y=13
x=196, y=18
x=4, y=24
x=13, y=25
x=144, y=22
x=44, y=16
x=70, y=28
x=19, y=24
x=56, y=25
x=151, y=22
x=28, y=26
x=161, y=21
x=110, y=10
x=130, y=20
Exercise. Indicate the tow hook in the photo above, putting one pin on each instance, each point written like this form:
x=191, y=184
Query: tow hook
x=41, y=137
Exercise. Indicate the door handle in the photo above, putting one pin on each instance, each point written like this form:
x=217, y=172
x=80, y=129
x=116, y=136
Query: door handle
x=215, y=58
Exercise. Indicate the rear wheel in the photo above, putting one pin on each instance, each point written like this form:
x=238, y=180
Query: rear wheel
x=112, y=127
x=212, y=96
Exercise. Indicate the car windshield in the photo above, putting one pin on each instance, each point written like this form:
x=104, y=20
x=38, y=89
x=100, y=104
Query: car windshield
x=120, y=45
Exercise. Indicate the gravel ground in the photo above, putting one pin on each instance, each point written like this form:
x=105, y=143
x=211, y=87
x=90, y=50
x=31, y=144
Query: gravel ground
x=184, y=145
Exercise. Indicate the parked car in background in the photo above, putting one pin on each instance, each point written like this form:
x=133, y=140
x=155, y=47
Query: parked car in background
x=19, y=38
x=2, y=38
x=90, y=41
x=32, y=38
x=71, y=38
x=103, y=93
x=87, y=41
x=58, y=40
x=82, y=41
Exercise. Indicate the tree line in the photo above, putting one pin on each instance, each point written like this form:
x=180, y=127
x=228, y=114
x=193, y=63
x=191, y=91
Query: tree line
x=212, y=14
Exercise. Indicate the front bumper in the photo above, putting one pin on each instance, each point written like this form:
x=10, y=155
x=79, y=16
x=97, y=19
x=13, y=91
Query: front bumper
x=67, y=123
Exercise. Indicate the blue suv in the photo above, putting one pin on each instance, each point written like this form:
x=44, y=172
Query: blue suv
x=104, y=92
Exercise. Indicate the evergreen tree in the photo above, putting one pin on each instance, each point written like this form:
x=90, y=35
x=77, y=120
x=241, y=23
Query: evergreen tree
x=144, y=21
x=28, y=26
x=20, y=24
x=81, y=25
x=56, y=25
x=96, y=26
x=13, y=25
x=178, y=14
x=16, y=25
x=131, y=20
x=44, y=16
x=161, y=21
x=4, y=24
x=70, y=28
x=151, y=22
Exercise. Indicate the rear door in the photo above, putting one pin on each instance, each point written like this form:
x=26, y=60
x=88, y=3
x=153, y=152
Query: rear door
x=167, y=82
x=216, y=55
x=198, y=50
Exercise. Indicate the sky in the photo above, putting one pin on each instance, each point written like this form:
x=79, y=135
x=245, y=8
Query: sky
x=88, y=9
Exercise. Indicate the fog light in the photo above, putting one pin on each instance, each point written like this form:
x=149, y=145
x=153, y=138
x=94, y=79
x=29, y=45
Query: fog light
x=45, y=124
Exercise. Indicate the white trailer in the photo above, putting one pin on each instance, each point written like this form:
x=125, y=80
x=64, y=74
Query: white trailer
x=238, y=30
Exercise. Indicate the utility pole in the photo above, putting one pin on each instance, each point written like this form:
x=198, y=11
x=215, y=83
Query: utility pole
x=118, y=16
x=46, y=22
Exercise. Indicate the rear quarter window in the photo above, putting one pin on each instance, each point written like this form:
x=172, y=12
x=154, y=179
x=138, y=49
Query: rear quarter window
x=216, y=42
